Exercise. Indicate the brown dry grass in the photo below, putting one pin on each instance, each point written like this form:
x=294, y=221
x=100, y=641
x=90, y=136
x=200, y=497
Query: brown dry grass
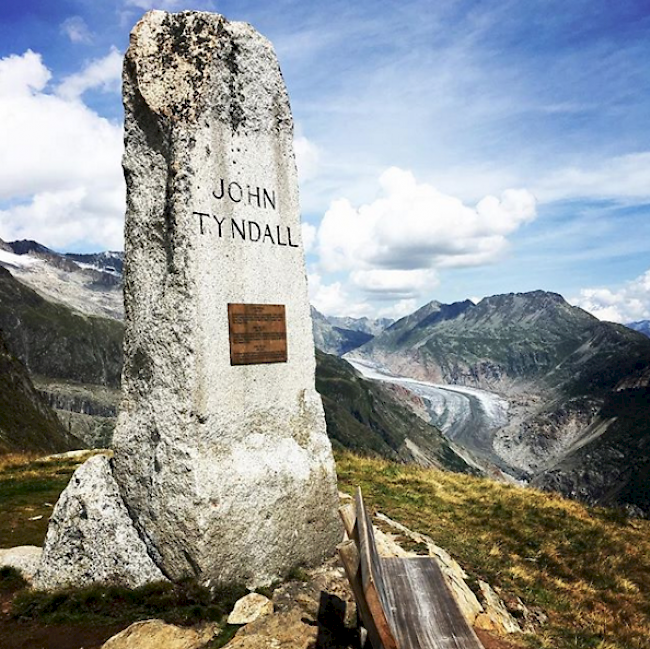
x=587, y=569
x=11, y=460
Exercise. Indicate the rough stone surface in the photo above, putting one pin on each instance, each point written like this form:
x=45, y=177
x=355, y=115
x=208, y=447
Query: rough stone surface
x=319, y=612
x=289, y=630
x=227, y=470
x=496, y=616
x=91, y=538
x=24, y=558
x=156, y=634
x=249, y=608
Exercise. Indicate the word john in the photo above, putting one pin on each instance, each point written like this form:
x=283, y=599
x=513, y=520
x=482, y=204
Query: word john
x=256, y=196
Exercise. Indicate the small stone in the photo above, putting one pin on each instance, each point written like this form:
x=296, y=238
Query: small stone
x=496, y=616
x=290, y=630
x=249, y=608
x=156, y=634
x=24, y=558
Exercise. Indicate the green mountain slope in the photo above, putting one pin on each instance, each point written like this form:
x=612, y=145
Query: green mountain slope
x=53, y=341
x=594, y=472
x=27, y=424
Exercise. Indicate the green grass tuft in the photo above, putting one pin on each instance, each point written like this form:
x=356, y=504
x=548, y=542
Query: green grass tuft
x=11, y=580
x=184, y=603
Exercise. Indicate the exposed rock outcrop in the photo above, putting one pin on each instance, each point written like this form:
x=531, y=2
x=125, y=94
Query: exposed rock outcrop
x=156, y=634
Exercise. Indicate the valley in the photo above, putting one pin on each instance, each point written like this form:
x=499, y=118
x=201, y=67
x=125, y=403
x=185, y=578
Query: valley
x=521, y=386
x=467, y=416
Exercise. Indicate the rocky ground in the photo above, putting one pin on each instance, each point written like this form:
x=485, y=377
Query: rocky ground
x=316, y=610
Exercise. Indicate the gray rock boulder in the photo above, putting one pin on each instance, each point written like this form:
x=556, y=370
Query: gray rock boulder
x=91, y=538
x=24, y=558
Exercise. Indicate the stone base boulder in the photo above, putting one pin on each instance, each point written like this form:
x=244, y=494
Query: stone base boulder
x=91, y=538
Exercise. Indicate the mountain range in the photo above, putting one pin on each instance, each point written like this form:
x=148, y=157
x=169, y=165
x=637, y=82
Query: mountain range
x=73, y=353
x=577, y=388
x=642, y=326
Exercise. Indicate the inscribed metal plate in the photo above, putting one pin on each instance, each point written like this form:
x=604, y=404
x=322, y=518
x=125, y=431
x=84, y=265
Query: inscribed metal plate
x=258, y=333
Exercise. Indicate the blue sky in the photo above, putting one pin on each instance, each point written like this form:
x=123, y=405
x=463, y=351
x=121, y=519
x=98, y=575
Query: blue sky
x=446, y=149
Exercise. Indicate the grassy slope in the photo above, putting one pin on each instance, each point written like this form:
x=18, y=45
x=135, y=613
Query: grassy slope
x=29, y=488
x=588, y=570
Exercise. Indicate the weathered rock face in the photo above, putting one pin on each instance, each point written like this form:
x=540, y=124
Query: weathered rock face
x=154, y=634
x=91, y=538
x=226, y=469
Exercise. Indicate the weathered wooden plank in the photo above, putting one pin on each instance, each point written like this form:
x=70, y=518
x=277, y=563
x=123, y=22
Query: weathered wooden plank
x=349, y=518
x=426, y=615
x=372, y=577
x=350, y=560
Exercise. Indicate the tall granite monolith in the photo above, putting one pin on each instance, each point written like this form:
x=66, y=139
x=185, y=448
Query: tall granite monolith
x=221, y=453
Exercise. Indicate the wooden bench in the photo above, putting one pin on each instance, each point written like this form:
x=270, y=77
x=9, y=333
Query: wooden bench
x=402, y=603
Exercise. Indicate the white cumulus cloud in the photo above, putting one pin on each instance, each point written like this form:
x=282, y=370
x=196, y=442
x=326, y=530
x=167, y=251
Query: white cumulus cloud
x=308, y=236
x=61, y=181
x=22, y=75
x=395, y=244
x=628, y=304
x=334, y=299
x=393, y=284
x=307, y=157
x=104, y=74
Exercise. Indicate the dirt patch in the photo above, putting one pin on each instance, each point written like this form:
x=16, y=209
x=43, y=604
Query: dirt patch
x=34, y=635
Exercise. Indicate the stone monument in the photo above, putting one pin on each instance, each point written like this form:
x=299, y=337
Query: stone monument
x=222, y=461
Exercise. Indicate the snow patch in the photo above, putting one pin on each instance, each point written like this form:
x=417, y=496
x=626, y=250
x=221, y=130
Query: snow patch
x=18, y=261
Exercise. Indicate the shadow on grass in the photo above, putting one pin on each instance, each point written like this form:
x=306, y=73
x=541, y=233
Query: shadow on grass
x=183, y=603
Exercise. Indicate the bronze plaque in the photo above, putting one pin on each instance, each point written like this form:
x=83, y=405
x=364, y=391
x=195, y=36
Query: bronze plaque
x=258, y=333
